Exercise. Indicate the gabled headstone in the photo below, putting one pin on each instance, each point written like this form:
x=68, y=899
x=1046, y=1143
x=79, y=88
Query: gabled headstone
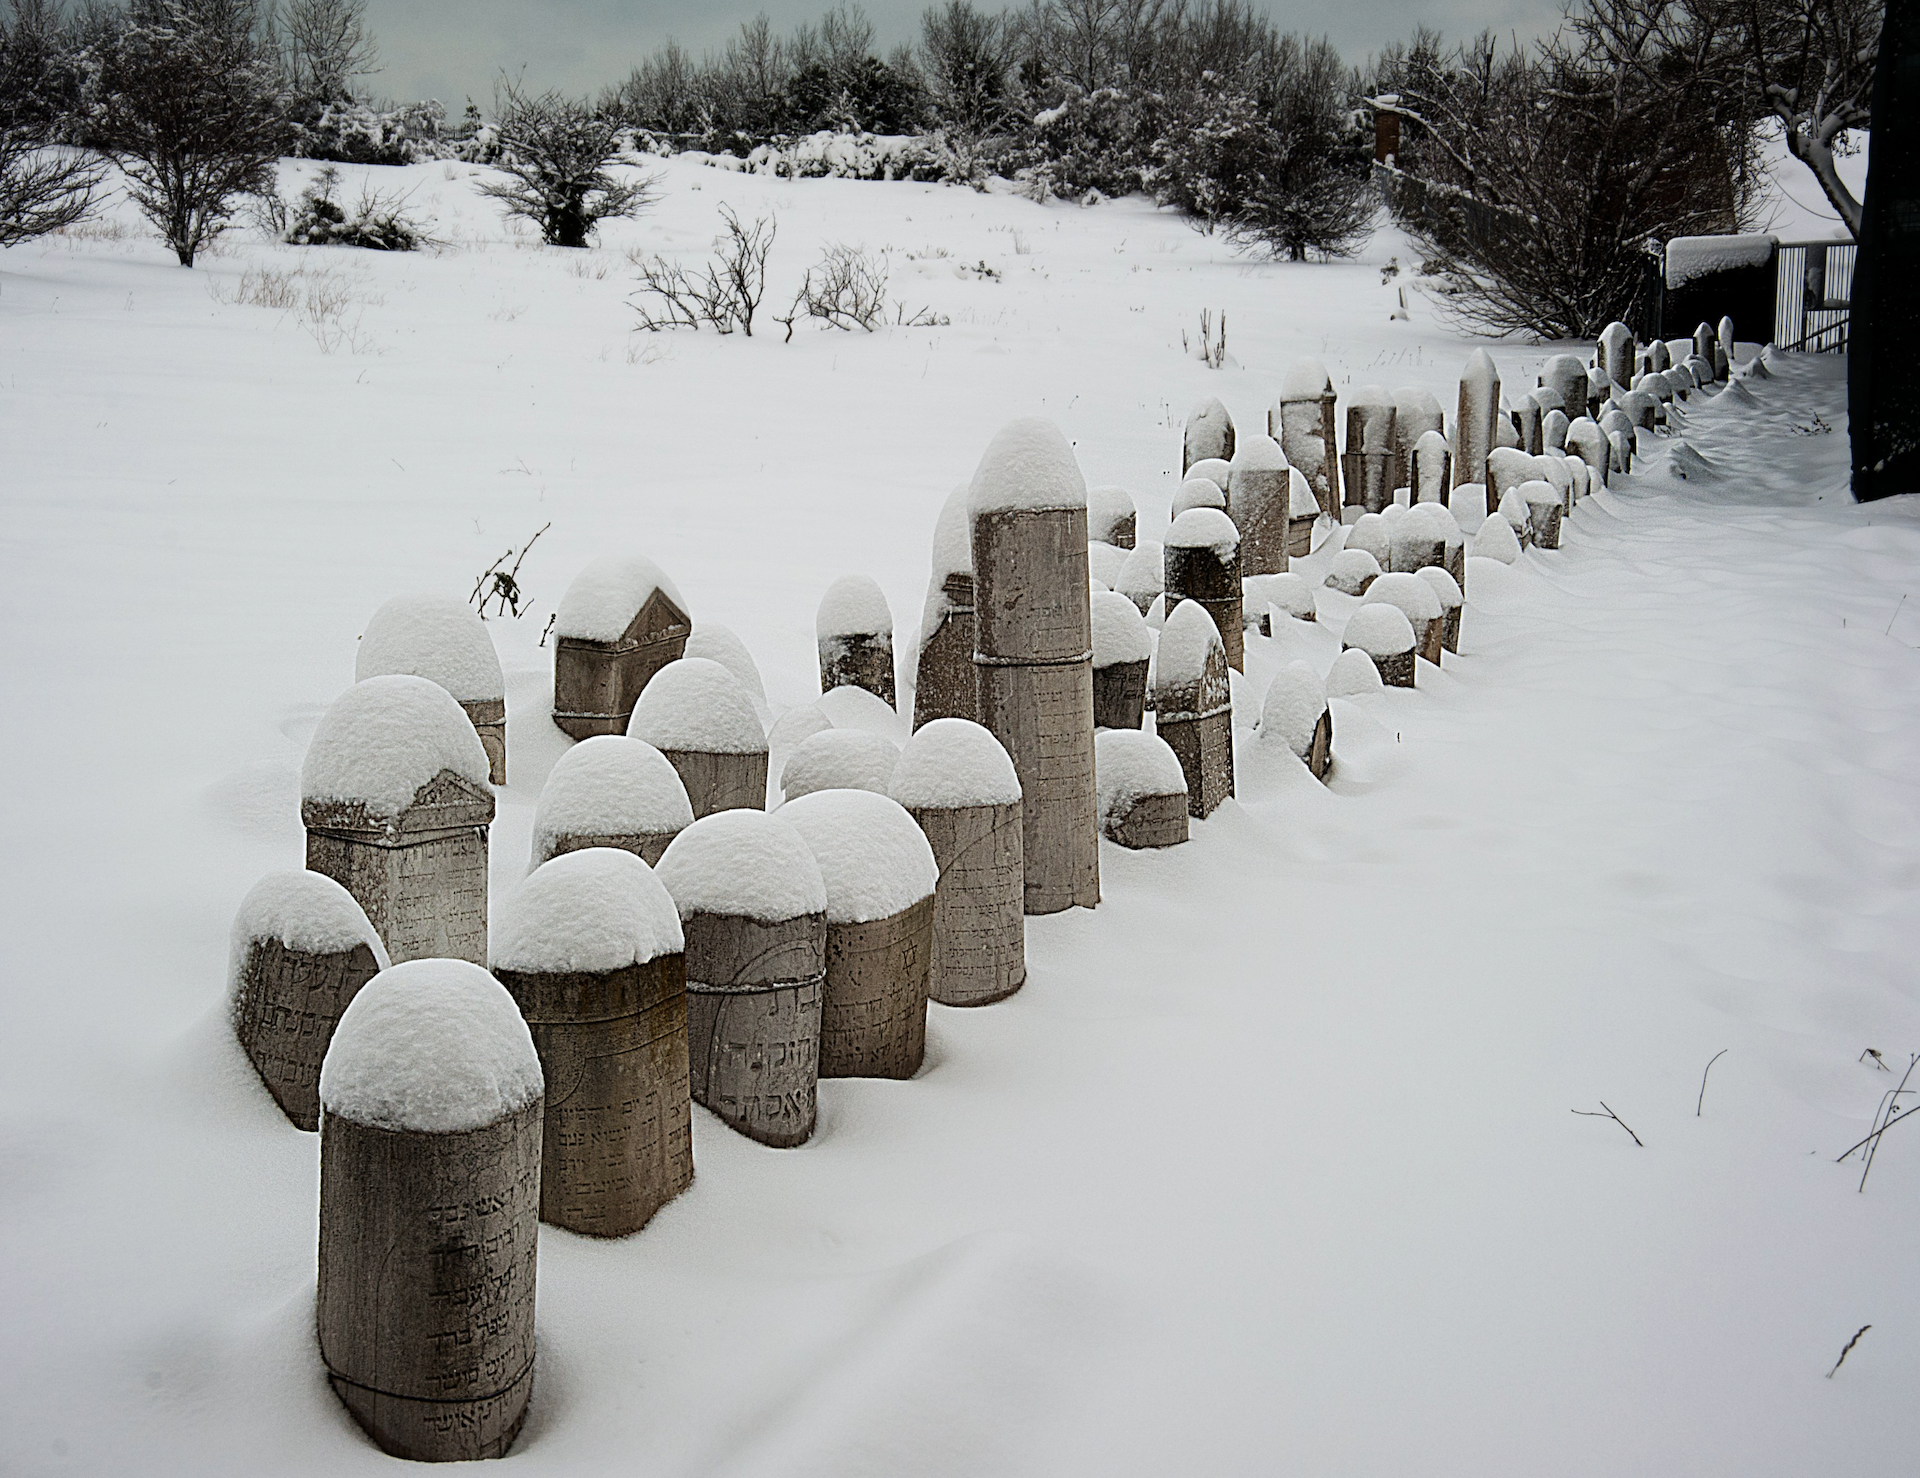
x=620, y=622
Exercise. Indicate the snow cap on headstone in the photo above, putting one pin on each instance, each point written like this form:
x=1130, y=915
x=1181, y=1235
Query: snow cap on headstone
x=1144, y=574
x=839, y=759
x=1445, y=588
x=1369, y=532
x=745, y=863
x=796, y=724
x=1301, y=502
x=1104, y=563
x=385, y=738
x=1130, y=765
x=718, y=643
x=1198, y=492
x=1120, y=632
x=1290, y=713
x=873, y=856
x=1257, y=453
x=1107, y=508
x=1213, y=470
x=1204, y=528
x=854, y=605
x=610, y=785
x=952, y=762
x=305, y=911
x=1497, y=540
x=1480, y=373
x=1307, y=379
x=1291, y=593
x=1351, y=570
x=590, y=911
x=435, y=637
x=696, y=704
x=1028, y=466
x=604, y=598
x=431, y=1047
x=1380, y=630
x=1408, y=592
x=1353, y=675
x=1180, y=659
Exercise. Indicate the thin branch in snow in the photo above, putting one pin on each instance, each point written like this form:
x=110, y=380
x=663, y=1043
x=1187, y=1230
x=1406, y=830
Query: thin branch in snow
x=1608, y=1114
x=1884, y=1118
x=502, y=583
x=1878, y=1061
x=1850, y=1344
x=1700, y=1102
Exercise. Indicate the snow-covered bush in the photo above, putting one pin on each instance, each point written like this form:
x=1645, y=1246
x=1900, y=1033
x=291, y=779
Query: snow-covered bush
x=378, y=221
x=555, y=152
x=355, y=133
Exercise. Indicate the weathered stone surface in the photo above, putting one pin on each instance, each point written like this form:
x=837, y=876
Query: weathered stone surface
x=721, y=782
x=648, y=846
x=425, y=1308
x=979, y=923
x=489, y=719
x=754, y=997
x=1120, y=695
x=596, y=684
x=289, y=1002
x=1200, y=574
x=1151, y=821
x=613, y=1047
x=1205, y=747
x=873, y=1021
x=860, y=660
x=944, y=687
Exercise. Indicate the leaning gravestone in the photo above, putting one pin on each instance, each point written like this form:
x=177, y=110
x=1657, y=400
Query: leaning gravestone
x=1260, y=503
x=1203, y=565
x=445, y=641
x=394, y=797
x=880, y=877
x=696, y=714
x=590, y=949
x=943, y=685
x=620, y=622
x=302, y=948
x=1209, y=434
x=854, y=628
x=1383, y=632
x=1122, y=648
x=1302, y=422
x=839, y=759
x=1367, y=467
x=959, y=784
x=1193, y=704
x=1295, y=716
x=753, y=910
x=429, y=1212
x=1474, y=425
x=610, y=791
x=1034, y=652
x=1111, y=517
x=1143, y=790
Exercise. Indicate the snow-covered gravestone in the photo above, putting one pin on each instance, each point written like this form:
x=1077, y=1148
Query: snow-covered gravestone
x=753, y=910
x=1723, y=349
x=1143, y=577
x=1203, y=566
x=1526, y=424
x=943, y=687
x=1143, y=790
x=1260, y=503
x=1383, y=632
x=1415, y=413
x=1553, y=430
x=1303, y=512
x=1496, y=540
x=1303, y=423
x=1704, y=343
x=696, y=714
x=1105, y=561
x=880, y=877
x=1616, y=353
x=1419, y=603
x=1599, y=387
x=430, y=1130
x=854, y=628
x=1193, y=704
x=1431, y=468
x=1214, y=470
x=302, y=948
x=1368, y=464
x=1209, y=434
x=1659, y=357
x=1289, y=595
x=590, y=949
x=719, y=643
x=445, y=641
x=1197, y=492
x=1473, y=426
x=1545, y=504
x=1033, y=656
x=610, y=791
x=839, y=759
x=1620, y=446
x=1507, y=468
x=1111, y=517
x=959, y=784
x=1587, y=441
x=1295, y=715
x=394, y=797
x=1566, y=377
x=1352, y=571
x=1452, y=603
x=1122, y=647
x=1370, y=532
x=1421, y=537
x=620, y=622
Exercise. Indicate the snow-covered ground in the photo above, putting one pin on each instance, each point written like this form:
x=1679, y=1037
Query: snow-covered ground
x=1271, y=1167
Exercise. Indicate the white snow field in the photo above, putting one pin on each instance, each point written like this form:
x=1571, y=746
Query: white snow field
x=1272, y=1167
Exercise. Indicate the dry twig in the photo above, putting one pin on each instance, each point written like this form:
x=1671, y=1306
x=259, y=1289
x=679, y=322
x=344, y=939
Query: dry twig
x=1608, y=1114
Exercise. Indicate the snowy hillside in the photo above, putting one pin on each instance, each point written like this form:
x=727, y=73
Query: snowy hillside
x=1271, y=1168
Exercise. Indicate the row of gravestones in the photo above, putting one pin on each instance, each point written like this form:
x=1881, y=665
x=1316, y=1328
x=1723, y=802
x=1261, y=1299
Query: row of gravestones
x=764, y=951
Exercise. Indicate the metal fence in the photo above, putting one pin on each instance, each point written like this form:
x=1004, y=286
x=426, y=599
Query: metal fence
x=1813, y=291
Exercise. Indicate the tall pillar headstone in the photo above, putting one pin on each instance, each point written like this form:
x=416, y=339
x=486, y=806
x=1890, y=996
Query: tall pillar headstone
x=1193, y=705
x=1566, y=377
x=1302, y=422
x=302, y=948
x=445, y=641
x=1260, y=503
x=957, y=781
x=430, y=1131
x=1616, y=354
x=1432, y=468
x=1474, y=421
x=620, y=622
x=1209, y=434
x=943, y=685
x=395, y=801
x=1143, y=790
x=1034, y=651
x=880, y=877
x=1122, y=648
x=590, y=949
x=1203, y=565
x=753, y=910
x=610, y=791
x=696, y=714
x=1367, y=466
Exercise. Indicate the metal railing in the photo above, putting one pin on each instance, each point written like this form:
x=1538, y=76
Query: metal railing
x=1813, y=291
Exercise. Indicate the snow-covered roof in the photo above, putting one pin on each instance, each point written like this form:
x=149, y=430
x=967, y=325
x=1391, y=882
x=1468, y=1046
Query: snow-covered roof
x=1120, y=632
x=435, y=637
x=873, y=856
x=433, y=1047
x=744, y=863
x=594, y=910
x=1131, y=764
x=306, y=911
x=1689, y=257
x=696, y=704
x=839, y=759
x=604, y=598
x=955, y=762
x=1028, y=465
x=854, y=605
x=1380, y=630
x=610, y=785
x=385, y=738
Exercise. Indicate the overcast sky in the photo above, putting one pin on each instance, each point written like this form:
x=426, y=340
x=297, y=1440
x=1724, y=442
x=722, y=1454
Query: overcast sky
x=453, y=49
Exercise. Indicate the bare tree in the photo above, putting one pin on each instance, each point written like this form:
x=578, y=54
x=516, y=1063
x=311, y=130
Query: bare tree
x=327, y=45
x=555, y=152
x=1812, y=62
x=725, y=294
x=43, y=187
x=191, y=113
